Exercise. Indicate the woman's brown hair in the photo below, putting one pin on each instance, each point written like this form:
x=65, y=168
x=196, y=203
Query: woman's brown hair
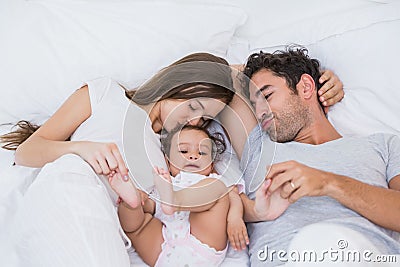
x=13, y=139
x=196, y=75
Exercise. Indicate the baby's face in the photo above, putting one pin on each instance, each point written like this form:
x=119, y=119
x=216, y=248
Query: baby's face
x=191, y=151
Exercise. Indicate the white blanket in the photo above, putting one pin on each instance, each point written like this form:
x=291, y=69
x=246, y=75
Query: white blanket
x=64, y=220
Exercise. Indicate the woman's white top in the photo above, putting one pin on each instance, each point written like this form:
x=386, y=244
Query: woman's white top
x=116, y=119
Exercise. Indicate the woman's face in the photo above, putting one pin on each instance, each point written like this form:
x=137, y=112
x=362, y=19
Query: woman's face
x=174, y=112
x=191, y=151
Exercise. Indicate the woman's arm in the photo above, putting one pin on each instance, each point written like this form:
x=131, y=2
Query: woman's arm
x=239, y=120
x=48, y=142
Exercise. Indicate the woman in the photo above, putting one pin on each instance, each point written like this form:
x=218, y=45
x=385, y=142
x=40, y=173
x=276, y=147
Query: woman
x=72, y=221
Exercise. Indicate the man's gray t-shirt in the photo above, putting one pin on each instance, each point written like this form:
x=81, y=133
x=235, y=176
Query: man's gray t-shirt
x=373, y=159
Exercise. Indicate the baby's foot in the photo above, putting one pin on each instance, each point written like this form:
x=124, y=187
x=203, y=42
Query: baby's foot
x=163, y=183
x=126, y=190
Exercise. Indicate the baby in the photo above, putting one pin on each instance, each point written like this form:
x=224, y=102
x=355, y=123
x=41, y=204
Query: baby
x=191, y=225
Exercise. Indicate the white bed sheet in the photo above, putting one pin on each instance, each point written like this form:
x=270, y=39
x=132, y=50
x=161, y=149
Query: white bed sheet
x=13, y=185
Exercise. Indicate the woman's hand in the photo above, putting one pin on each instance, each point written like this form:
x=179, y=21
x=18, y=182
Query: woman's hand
x=237, y=234
x=332, y=91
x=104, y=158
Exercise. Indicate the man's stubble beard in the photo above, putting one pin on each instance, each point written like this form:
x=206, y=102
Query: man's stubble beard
x=287, y=124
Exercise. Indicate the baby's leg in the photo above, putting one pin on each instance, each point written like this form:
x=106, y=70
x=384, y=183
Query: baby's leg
x=125, y=189
x=209, y=226
x=149, y=205
x=144, y=231
x=147, y=239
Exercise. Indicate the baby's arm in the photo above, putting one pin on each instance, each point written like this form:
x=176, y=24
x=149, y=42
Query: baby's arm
x=236, y=228
x=196, y=198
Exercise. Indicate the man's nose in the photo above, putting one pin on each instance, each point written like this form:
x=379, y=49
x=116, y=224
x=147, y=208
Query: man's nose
x=262, y=109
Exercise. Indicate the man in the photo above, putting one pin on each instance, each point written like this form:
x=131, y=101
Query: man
x=321, y=185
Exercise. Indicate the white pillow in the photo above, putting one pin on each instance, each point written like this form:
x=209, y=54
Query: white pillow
x=270, y=15
x=50, y=47
x=362, y=49
x=367, y=61
x=312, y=30
x=267, y=19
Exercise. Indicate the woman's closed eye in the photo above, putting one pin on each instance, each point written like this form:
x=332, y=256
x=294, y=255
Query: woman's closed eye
x=192, y=108
x=203, y=153
x=183, y=151
x=194, y=105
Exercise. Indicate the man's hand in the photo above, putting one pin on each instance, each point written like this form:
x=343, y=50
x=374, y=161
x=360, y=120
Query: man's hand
x=295, y=180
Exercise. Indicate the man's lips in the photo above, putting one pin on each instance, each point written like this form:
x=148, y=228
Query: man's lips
x=266, y=123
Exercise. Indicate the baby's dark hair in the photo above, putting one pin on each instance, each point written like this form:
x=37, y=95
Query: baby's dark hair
x=217, y=139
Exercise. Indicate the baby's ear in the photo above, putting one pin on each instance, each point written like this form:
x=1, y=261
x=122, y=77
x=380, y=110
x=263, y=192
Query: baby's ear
x=212, y=168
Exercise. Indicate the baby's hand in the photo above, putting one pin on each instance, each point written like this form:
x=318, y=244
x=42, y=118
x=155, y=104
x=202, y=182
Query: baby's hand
x=237, y=234
x=162, y=180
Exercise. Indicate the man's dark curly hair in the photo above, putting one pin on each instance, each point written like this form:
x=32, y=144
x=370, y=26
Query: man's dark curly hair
x=289, y=64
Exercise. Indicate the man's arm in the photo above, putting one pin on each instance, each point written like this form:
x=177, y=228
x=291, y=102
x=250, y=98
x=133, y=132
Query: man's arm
x=377, y=204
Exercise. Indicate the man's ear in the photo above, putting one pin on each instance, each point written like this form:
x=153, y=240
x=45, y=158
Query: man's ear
x=306, y=86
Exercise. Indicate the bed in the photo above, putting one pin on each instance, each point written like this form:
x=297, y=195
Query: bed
x=49, y=48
